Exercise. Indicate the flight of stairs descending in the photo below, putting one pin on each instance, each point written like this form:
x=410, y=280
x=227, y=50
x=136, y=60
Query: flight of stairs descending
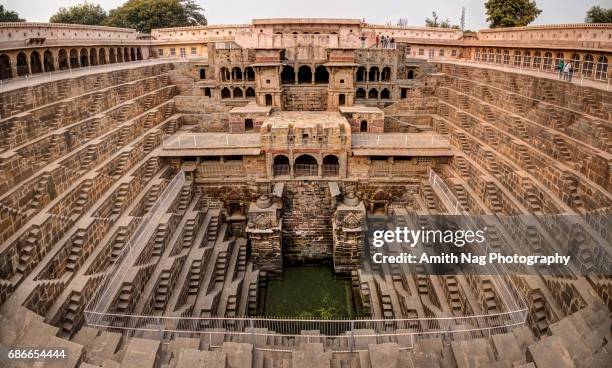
x=90, y=155
x=537, y=314
x=150, y=143
x=488, y=296
x=162, y=293
x=493, y=198
x=27, y=251
x=221, y=267
x=461, y=196
x=562, y=152
x=152, y=197
x=532, y=198
x=119, y=203
x=52, y=148
x=71, y=316
x=453, y=296
x=572, y=196
x=429, y=197
x=461, y=165
x=76, y=251
x=195, y=273
x=421, y=280
x=524, y=157
x=212, y=228
x=184, y=197
x=160, y=240
x=242, y=258
x=252, y=299
x=150, y=169
x=118, y=244
x=189, y=233
x=492, y=164
x=96, y=102
x=83, y=199
x=462, y=140
x=121, y=166
x=40, y=191
x=520, y=129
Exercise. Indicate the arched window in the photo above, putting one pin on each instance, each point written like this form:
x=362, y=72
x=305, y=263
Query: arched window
x=386, y=74
x=304, y=74
x=225, y=93
x=506, y=57
x=249, y=74
x=361, y=93
x=373, y=94
x=138, y=54
x=374, y=74
x=331, y=166
x=410, y=74
x=537, y=60
x=132, y=54
x=250, y=93
x=236, y=73
x=22, y=64
x=48, y=61
x=62, y=59
x=93, y=57
x=491, y=56
x=498, y=56
x=558, y=58
x=237, y=93
x=126, y=54
x=288, y=75
x=5, y=67
x=361, y=74
x=280, y=165
x=527, y=59
x=548, y=61
x=119, y=55
x=477, y=55
x=111, y=56
x=385, y=94
x=587, y=68
x=576, y=62
x=35, y=65
x=601, y=70
x=321, y=75
x=84, y=58
x=306, y=165
x=102, y=56
x=517, y=58
x=363, y=127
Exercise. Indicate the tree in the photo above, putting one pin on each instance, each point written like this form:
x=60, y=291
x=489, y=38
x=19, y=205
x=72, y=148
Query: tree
x=402, y=22
x=511, y=13
x=85, y=13
x=597, y=14
x=433, y=22
x=462, y=19
x=145, y=15
x=9, y=15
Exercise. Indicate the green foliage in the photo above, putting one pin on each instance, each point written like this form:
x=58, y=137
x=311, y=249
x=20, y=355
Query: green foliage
x=145, y=15
x=597, y=14
x=9, y=15
x=511, y=13
x=435, y=22
x=85, y=13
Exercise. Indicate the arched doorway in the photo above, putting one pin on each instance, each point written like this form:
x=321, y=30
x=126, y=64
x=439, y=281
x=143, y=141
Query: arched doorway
x=321, y=75
x=374, y=75
x=93, y=57
x=126, y=54
x=280, y=166
x=249, y=74
x=62, y=59
x=373, y=94
x=288, y=75
x=601, y=71
x=410, y=74
x=111, y=56
x=236, y=73
x=102, y=56
x=341, y=99
x=386, y=74
x=361, y=74
x=238, y=93
x=119, y=55
x=138, y=54
x=225, y=74
x=225, y=93
x=35, y=64
x=363, y=127
x=304, y=74
x=74, y=58
x=84, y=58
x=331, y=166
x=306, y=165
x=48, y=61
x=5, y=67
x=250, y=93
x=385, y=94
x=361, y=93
x=268, y=100
x=22, y=64
x=132, y=54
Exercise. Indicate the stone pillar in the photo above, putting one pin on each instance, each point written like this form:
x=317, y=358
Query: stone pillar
x=349, y=229
x=264, y=231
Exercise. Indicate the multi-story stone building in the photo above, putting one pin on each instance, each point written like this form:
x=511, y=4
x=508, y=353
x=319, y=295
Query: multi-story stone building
x=157, y=198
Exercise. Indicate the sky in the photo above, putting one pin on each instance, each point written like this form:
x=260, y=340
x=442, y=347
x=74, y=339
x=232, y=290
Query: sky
x=374, y=11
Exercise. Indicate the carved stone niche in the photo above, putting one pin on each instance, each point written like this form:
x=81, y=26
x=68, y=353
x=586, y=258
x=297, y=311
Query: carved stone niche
x=349, y=228
x=264, y=231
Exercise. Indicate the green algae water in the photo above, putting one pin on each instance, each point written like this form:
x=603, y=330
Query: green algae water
x=310, y=292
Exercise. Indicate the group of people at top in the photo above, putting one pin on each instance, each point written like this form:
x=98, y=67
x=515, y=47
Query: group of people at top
x=566, y=70
x=385, y=42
